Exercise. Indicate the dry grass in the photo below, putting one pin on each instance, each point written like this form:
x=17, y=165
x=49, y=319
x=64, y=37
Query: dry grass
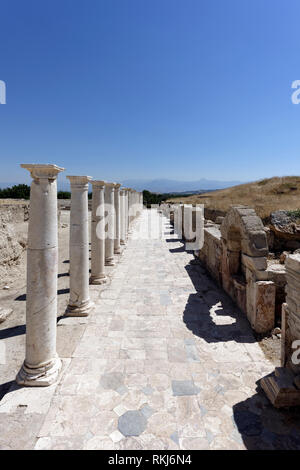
x=265, y=196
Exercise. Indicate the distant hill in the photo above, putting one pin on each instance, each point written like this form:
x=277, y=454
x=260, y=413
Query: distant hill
x=265, y=196
x=173, y=186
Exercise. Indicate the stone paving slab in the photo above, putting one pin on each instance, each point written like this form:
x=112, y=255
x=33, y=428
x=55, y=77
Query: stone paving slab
x=165, y=361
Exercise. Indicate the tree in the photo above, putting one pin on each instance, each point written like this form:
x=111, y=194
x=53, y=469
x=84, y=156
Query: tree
x=19, y=191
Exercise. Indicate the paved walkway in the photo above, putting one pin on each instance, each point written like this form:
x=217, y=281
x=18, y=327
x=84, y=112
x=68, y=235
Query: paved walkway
x=166, y=361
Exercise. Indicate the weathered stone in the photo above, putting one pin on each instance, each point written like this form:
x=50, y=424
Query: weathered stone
x=132, y=423
x=184, y=387
x=42, y=365
x=5, y=313
x=79, y=304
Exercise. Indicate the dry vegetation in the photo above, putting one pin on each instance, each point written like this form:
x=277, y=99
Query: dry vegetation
x=265, y=196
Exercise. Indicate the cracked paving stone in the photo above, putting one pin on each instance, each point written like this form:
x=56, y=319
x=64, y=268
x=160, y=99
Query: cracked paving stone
x=147, y=390
x=184, y=387
x=132, y=423
x=175, y=438
x=112, y=381
x=147, y=411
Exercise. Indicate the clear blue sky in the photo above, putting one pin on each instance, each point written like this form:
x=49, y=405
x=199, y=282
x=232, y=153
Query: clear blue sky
x=182, y=89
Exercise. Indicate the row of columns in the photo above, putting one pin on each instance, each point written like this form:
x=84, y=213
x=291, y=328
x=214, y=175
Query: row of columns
x=113, y=212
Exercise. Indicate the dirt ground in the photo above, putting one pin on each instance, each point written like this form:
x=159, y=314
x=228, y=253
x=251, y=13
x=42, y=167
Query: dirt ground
x=271, y=346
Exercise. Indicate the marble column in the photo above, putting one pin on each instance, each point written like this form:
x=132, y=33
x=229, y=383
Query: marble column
x=109, y=223
x=42, y=365
x=98, y=234
x=117, y=248
x=126, y=213
x=122, y=217
x=130, y=207
x=79, y=302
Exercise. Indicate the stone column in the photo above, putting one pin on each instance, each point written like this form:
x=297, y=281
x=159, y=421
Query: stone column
x=110, y=223
x=131, y=206
x=122, y=217
x=117, y=248
x=42, y=365
x=127, y=209
x=141, y=201
x=79, y=302
x=98, y=234
x=126, y=214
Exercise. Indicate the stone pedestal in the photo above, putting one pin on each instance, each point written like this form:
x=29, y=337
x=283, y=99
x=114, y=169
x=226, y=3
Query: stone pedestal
x=117, y=248
x=79, y=303
x=98, y=275
x=42, y=365
x=282, y=387
x=109, y=223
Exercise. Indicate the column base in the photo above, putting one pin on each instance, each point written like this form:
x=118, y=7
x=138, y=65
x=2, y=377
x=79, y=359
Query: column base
x=98, y=279
x=110, y=262
x=82, y=310
x=41, y=376
x=282, y=388
x=122, y=242
x=117, y=251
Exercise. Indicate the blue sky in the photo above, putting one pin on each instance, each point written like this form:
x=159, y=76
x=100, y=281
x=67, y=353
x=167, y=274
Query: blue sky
x=180, y=89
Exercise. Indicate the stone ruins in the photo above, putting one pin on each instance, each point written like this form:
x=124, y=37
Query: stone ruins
x=42, y=365
x=234, y=251
x=164, y=335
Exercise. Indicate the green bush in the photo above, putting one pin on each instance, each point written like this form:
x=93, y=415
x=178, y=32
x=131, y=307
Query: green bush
x=294, y=214
x=19, y=191
x=63, y=195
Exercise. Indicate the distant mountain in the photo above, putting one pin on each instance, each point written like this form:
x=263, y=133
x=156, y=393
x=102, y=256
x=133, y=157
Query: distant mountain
x=172, y=186
x=158, y=185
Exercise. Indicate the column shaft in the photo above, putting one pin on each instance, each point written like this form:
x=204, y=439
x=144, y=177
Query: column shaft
x=79, y=303
x=42, y=365
x=109, y=223
x=117, y=248
x=98, y=234
x=122, y=217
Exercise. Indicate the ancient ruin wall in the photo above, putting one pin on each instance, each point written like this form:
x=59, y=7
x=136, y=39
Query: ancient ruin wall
x=13, y=234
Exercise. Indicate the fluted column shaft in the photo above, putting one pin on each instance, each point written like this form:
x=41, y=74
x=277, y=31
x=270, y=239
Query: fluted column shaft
x=98, y=234
x=110, y=223
x=79, y=302
x=42, y=365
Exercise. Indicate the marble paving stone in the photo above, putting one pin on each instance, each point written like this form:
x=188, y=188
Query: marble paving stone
x=184, y=387
x=132, y=423
x=165, y=361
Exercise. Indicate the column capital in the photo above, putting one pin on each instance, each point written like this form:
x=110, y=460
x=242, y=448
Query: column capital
x=79, y=180
x=117, y=186
x=98, y=183
x=110, y=186
x=41, y=170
